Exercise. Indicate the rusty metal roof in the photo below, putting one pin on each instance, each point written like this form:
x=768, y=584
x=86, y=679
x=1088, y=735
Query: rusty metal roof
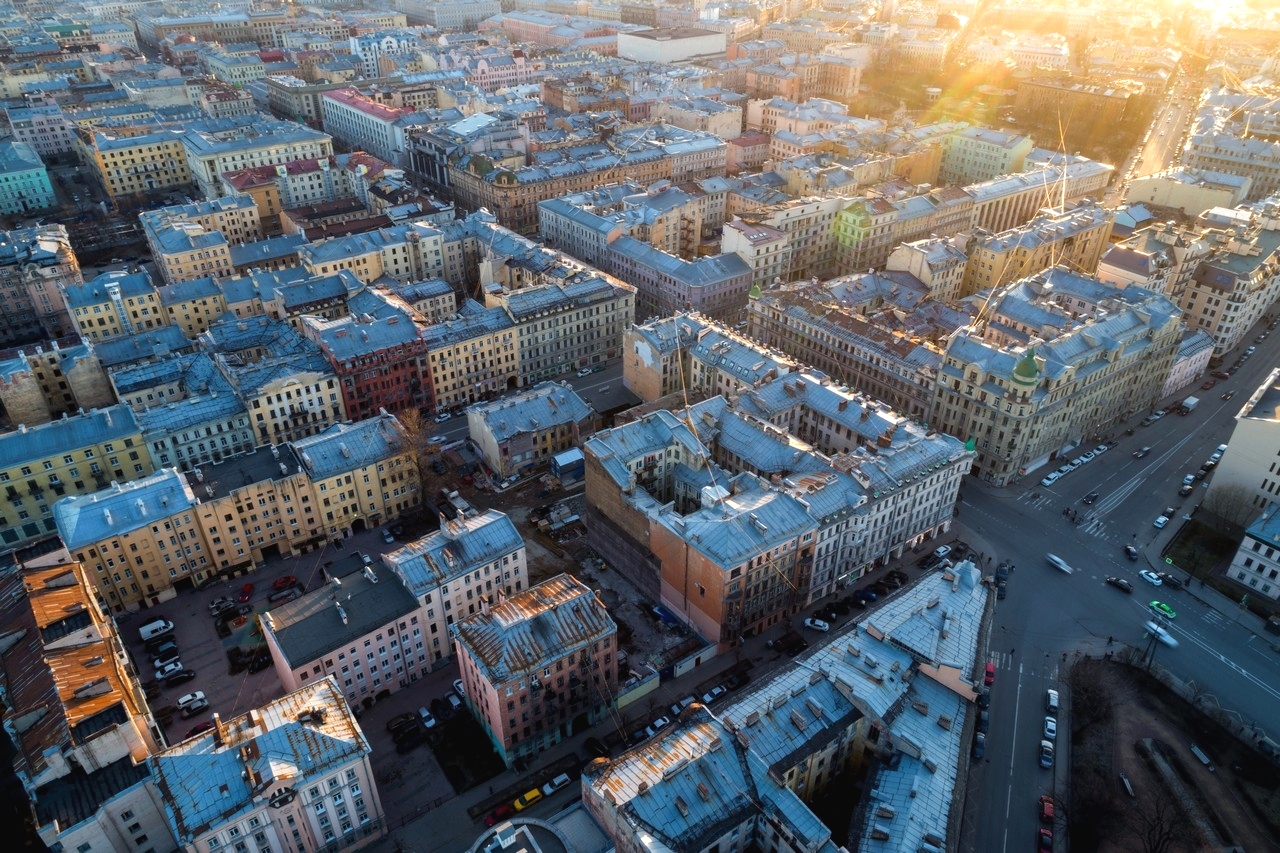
x=530, y=629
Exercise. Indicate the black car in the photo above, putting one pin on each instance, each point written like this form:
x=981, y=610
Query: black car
x=984, y=721
x=596, y=748
x=841, y=607
x=899, y=574
x=155, y=644
x=930, y=563
x=402, y=721
x=881, y=588
x=260, y=661
x=1171, y=580
x=1120, y=584
x=979, y=745
x=855, y=601
x=1002, y=589
x=411, y=740
x=1002, y=572
x=182, y=676
x=984, y=698
x=738, y=681
x=1131, y=552
x=1090, y=498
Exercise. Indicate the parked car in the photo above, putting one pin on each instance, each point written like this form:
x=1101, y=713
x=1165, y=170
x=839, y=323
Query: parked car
x=163, y=672
x=715, y=694
x=1120, y=584
x=1221, y=374
x=979, y=746
x=738, y=681
x=1161, y=521
x=942, y=551
x=656, y=726
x=1209, y=383
x=189, y=711
x=1002, y=590
x=1046, y=808
x=1050, y=478
x=455, y=701
x=402, y=721
x=817, y=625
x=561, y=781
x=990, y=677
x=246, y=593
x=428, y=721
x=1228, y=395
x=182, y=676
x=410, y=740
x=527, y=799
x=1185, y=490
x=284, y=582
x=200, y=728
x=387, y=537
x=459, y=687
x=412, y=732
x=442, y=417
x=498, y=815
x=284, y=595
x=1050, y=728
x=159, y=644
x=1046, y=754
x=1045, y=840
x=220, y=604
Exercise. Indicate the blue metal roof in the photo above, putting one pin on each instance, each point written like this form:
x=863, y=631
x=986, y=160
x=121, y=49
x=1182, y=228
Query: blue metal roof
x=85, y=519
x=345, y=447
x=458, y=548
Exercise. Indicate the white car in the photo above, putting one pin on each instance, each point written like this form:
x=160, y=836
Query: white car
x=442, y=417
x=168, y=669
x=1058, y=563
x=459, y=688
x=555, y=784
x=1088, y=457
x=1050, y=728
x=1161, y=634
x=586, y=371
x=1150, y=577
x=1215, y=457
x=1161, y=520
x=942, y=551
x=1099, y=450
x=1051, y=478
x=1189, y=479
x=817, y=625
x=1075, y=463
x=190, y=699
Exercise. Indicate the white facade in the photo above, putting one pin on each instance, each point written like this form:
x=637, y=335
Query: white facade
x=1251, y=464
x=679, y=44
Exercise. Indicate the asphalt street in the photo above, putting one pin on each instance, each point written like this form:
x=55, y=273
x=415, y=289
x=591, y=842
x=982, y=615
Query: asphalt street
x=1050, y=615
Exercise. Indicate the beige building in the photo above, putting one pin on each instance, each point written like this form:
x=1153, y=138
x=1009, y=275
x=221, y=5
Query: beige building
x=253, y=506
x=191, y=241
x=193, y=305
x=765, y=249
x=136, y=540
x=539, y=667
x=37, y=385
x=35, y=265
x=519, y=434
x=1056, y=361
x=1242, y=477
x=1074, y=238
x=246, y=141
x=363, y=474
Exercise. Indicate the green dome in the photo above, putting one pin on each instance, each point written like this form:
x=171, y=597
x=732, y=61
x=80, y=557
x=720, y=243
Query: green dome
x=1026, y=371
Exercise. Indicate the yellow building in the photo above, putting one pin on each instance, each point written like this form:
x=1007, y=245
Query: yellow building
x=362, y=474
x=124, y=164
x=1074, y=238
x=192, y=305
x=113, y=304
x=194, y=240
x=136, y=539
x=70, y=456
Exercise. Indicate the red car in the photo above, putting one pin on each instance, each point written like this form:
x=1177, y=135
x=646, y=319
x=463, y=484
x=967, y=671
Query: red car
x=1221, y=374
x=284, y=582
x=499, y=814
x=1046, y=808
x=991, y=675
x=1046, y=840
x=246, y=593
x=201, y=728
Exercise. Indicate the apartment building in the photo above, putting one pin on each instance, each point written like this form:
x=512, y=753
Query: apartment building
x=358, y=626
x=192, y=305
x=252, y=506
x=693, y=356
x=539, y=666
x=469, y=564
x=36, y=265
x=1192, y=191
x=135, y=539
x=89, y=731
x=362, y=123
x=723, y=120
x=1075, y=238
x=113, y=304
x=195, y=240
x=363, y=474
x=378, y=360
x=519, y=434
x=977, y=154
x=124, y=164
x=409, y=252
x=567, y=326
x=1026, y=393
x=39, y=384
x=215, y=146
x=644, y=154
x=44, y=128
x=472, y=356
x=715, y=285
x=292, y=773
x=1162, y=257
x=940, y=263
x=24, y=180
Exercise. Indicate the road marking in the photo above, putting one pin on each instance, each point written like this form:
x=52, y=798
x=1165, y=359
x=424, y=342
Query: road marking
x=1226, y=661
x=1008, y=797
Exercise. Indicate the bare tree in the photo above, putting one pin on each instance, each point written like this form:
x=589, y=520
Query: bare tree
x=1231, y=502
x=418, y=430
x=1155, y=823
x=1090, y=704
x=1089, y=812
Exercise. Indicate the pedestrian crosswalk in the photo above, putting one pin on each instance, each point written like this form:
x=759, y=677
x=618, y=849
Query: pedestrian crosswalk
x=1213, y=617
x=1036, y=665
